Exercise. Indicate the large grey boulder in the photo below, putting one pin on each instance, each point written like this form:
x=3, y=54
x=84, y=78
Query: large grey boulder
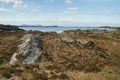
x=28, y=51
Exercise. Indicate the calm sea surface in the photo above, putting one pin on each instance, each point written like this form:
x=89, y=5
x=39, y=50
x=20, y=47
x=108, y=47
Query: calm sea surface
x=59, y=29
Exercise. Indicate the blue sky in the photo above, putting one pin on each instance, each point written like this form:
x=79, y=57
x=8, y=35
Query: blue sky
x=60, y=12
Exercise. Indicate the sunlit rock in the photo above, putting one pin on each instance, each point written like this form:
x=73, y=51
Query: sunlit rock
x=82, y=41
x=28, y=51
x=67, y=39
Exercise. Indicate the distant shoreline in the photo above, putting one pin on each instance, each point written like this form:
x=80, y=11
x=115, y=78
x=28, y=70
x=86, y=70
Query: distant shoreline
x=61, y=29
x=51, y=28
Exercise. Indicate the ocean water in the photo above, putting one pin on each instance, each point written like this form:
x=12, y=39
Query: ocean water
x=60, y=29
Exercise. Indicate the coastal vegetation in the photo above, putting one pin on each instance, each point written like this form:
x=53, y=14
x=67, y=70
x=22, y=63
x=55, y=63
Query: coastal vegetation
x=8, y=27
x=69, y=55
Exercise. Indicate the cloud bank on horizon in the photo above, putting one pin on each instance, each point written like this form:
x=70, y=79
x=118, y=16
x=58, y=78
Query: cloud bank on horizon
x=61, y=12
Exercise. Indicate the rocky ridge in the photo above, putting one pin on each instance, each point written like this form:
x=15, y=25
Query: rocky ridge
x=28, y=51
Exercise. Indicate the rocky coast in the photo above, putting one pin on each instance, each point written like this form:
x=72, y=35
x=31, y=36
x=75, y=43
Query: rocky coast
x=69, y=55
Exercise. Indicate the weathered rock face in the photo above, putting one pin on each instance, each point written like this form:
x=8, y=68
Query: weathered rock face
x=65, y=39
x=28, y=51
x=71, y=40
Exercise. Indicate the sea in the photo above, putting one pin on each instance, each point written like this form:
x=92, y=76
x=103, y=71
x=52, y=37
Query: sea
x=60, y=29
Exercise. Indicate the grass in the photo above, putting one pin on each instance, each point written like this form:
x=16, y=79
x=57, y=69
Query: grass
x=63, y=60
x=107, y=73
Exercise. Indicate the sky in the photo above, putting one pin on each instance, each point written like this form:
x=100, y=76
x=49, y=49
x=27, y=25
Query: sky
x=60, y=12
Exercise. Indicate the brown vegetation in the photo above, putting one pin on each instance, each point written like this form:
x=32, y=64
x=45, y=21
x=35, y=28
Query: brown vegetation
x=65, y=60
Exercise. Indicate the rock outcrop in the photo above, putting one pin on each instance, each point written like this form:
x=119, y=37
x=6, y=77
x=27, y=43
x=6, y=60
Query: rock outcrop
x=28, y=51
x=72, y=40
x=9, y=28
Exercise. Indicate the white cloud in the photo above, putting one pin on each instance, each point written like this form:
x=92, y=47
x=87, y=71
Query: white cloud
x=16, y=3
x=68, y=1
x=21, y=14
x=3, y=10
x=46, y=1
x=19, y=5
x=98, y=0
x=70, y=10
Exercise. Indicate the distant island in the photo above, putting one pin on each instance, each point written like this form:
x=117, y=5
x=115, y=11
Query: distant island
x=24, y=25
